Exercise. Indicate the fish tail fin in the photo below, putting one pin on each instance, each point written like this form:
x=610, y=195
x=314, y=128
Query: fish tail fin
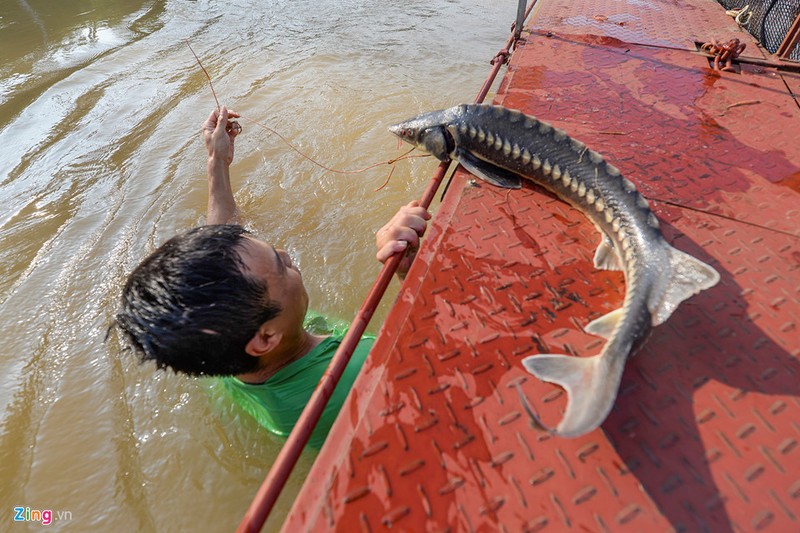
x=688, y=276
x=586, y=383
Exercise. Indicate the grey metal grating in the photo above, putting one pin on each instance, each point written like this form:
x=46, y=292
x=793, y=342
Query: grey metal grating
x=770, y=20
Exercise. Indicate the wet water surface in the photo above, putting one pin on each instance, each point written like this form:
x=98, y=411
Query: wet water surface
x=102, y=161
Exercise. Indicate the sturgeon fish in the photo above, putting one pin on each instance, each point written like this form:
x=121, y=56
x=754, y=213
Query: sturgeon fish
x=502, y=146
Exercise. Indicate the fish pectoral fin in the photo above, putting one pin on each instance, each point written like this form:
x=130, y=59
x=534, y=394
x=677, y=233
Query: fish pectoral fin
x=604, y=326
x=606, y=257
x=577, y=376
x=688, y=276
x=488, y=172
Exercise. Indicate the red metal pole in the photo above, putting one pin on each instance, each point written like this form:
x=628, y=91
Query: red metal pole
x=276, y=478
x=790, y=40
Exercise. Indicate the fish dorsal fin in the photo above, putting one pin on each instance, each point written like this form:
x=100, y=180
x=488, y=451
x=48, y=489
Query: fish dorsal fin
x=604, y=326
x=488, y=172
x=606, y=257
x=688, y=276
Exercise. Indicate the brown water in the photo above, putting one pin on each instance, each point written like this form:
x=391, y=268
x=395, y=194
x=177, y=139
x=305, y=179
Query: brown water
x=101, y=161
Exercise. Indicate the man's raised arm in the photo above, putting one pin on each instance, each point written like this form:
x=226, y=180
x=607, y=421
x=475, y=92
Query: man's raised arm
x=219, y=136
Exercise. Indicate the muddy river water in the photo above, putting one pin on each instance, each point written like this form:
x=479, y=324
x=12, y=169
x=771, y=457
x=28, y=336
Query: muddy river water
x=101, y=161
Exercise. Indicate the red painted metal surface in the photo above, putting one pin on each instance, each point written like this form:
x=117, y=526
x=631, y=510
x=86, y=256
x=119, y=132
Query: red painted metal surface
x=705, y=433
x=664, y=23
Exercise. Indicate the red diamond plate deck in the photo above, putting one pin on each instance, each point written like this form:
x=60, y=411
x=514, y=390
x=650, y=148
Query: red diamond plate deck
x=704, y=434
x=664, y=23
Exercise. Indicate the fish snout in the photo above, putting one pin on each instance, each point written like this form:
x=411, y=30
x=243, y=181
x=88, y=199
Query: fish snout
x=405, y=132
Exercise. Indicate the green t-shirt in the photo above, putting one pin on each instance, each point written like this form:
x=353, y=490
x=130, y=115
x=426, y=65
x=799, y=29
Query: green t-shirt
x=278, y=403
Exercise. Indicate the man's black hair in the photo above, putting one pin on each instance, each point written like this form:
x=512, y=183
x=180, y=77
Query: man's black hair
x=192, y=307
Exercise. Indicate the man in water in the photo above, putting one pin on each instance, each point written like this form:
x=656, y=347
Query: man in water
x=216, y=301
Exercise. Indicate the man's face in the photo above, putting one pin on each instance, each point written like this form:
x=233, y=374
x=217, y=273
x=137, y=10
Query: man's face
x=283, y=280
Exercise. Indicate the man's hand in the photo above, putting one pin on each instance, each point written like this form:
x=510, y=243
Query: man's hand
x=219, y=134
x=401, y=235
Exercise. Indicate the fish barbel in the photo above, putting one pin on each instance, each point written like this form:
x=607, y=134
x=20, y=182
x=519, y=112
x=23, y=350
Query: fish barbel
x=502, y=146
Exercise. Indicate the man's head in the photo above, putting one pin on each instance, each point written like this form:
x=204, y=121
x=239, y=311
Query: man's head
x=212, y=301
